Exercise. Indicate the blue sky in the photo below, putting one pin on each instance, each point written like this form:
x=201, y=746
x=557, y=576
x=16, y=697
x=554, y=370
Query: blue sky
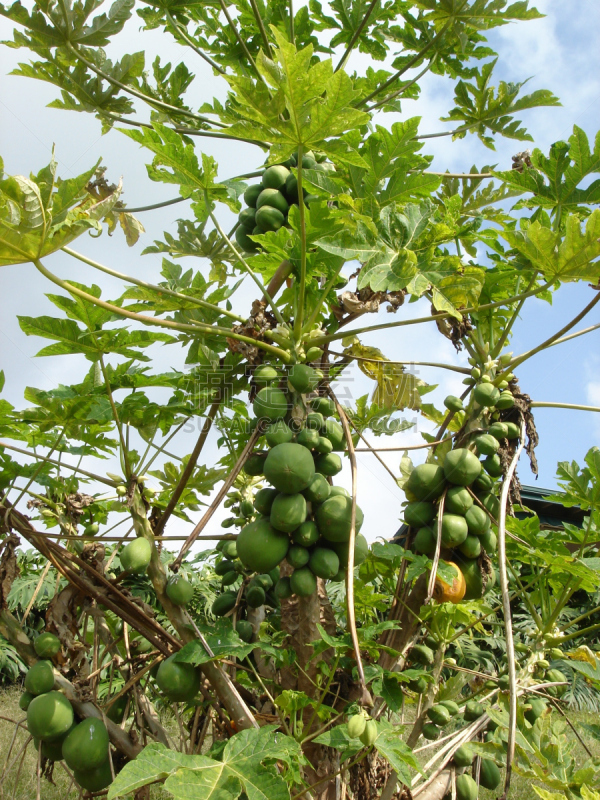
x=558, y=52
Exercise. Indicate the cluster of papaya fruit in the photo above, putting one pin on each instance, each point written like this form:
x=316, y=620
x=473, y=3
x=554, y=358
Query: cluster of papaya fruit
x=56, y=733
x=467, y=480
x=300, y=517
x=269, y=201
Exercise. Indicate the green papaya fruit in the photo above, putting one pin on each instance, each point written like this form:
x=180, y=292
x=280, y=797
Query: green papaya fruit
x=306, y=535
x=244, y=630
x=224, y=603
x=461, y=466
x=369, y=736
x=430, y=731
x=135, y=556
x=466, y=788
x=426, y=482
x=263, y=500
x=179, y=590
x=270, y=403
x=356, y=725
x=289, y=468
x=308, y=438
x=486, y=394
x=318, y=490
x=324, y=563
x=419, y=514
x=473, y=710
x=255, y=596
x=334, y=518
x=86, y=746
x=458, y=500
x=489, y=774
x=288, y=512
x=251, y=194
x=453, y=403
x=439, y=715
x=283, y=589
x=454, y=530
x=260, y=547
x=463, y=757
x=39, y=678
x=303, y=378
x=275, y=177
x=421, y=654
x=478, y=522
x=49, y=716
x=303, y=582
x=297, y=556
x=329, y=464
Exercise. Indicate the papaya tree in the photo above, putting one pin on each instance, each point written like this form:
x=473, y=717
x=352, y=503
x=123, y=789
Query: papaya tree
x=296, y=659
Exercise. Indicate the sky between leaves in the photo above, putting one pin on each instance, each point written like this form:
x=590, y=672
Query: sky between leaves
x=559, y=52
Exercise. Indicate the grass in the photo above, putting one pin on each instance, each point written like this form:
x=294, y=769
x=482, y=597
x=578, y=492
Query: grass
x=62, y=788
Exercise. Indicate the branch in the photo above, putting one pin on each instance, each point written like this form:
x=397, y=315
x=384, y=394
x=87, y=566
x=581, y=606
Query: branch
x=537, y=404
x=510, y=649
x=403, y=88
x=462, y=370
x=217, y=501
x=140, y=95
x=438, y=548
x=261, y=28
x=57, y=463
x=184, y=34
x=351, y=542
x=191, y=465
x=357, y=33
x=164, y=204
x=553, y=339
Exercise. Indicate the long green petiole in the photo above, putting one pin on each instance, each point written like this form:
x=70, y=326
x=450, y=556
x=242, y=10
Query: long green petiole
x=316, y=310
x=302, y=283
x=152, y=286
x=213, y=330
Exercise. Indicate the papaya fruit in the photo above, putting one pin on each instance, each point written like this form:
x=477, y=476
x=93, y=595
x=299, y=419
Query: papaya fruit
x=86, y=746
x=251, y=194
x=247, y=508
x=324, y=563
x=265, y=580
x=224, y=566
x=489, y=774
x=275, y=177
x=486, y=394
x=289, y=467
x=39, y=678
x=24, y=700
x=553, y=676
x=424, y=541
x=50, y=750
x=473, y=710
x=303, y=378
x=255, y=596
x=270, y=403
x=49, y=716
x=537, y=708
x=334, y=518
x=339, y=491
x=439, y=715
x=512, y=431
x=493, y=465
x=369, y=736
x=483, y=483
x=269, y=219
x=478, y=522
x=421, y=654
x=309, y=438
x=498, y=430
x=466, y=788
x=255, y=464
x=458, y=500
x=323, y=446
x=297, y=556
x=260, y=547
x=471, y=547
x=318, y=490
x=283, y=589
x=224, y=603
x=244, y=241
x=361, y=550
x=247, y=218
x=303, y=582
x=288, y=512
x=265, y=375
x=329, y=464
x=314, y=354
x=179, y=681
x=426, y=482
x=356, y=725
x=323, y=405
x=307, y=534
x=486, y=444
x=491, y=502
x=179, y=590
x=335, y=433
x=505, y=401
x=474, y=580
x=450, y=593
x=454, y=530
x=419, y=685
x=489, y=542
x=315, y=421
x=461, y=466
x=278, y=433
x=430, y=731
x=263, y=500
x=118, y=708
x=291, y=189
x=418, y=514
x=274, y=199
x=453, y=403
x=339, y=576
x=94, y=780
x=463, y=757
x=452, y=707
x=135, y=556
x=46, y=645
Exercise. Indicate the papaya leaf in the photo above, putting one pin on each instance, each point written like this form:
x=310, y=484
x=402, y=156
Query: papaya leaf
x=396, y=388
x=247, y=764
x=221, y=638
x=571, y=257
x=396, y=752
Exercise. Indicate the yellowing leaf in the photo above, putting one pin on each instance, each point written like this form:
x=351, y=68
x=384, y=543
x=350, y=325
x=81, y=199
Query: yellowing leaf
x=396, y=388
